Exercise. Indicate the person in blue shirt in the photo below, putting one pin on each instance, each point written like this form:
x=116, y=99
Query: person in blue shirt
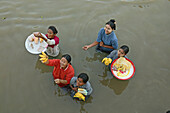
x=106, y=40
x=82, y=81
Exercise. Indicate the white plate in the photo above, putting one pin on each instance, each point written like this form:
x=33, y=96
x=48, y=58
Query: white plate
x=35, y=48
x=130, y=75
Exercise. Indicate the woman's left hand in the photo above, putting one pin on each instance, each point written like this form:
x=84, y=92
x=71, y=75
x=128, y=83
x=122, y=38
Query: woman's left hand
x=101, y=43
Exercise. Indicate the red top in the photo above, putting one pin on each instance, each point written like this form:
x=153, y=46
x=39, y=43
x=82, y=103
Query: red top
x=60, y=73
x=56, y=40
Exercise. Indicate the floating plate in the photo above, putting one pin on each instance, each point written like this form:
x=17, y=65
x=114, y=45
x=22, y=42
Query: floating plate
x=130, y=75
x=35, y=48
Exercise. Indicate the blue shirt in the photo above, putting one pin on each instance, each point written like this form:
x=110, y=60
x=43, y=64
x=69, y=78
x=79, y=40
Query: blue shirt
x=110, y=39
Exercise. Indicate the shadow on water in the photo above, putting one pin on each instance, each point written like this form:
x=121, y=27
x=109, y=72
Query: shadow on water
x=66, y=92
x=82, y=103
x=110, y=81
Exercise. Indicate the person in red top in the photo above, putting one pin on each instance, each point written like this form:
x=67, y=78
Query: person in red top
x=63, y=70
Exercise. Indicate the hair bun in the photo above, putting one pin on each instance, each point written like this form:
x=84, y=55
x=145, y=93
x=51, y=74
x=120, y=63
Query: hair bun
x=113, y=20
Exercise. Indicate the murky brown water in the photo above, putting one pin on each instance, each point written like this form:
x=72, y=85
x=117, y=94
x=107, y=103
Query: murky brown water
x=26, y=85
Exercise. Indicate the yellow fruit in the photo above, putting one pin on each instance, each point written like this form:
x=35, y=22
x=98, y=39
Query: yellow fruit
x=45, y=60
x=104, y=59
x=42, y=56
x=107, y=61
x=41, y=40
x=43, y=53
x=36, y=40
x=80, y=96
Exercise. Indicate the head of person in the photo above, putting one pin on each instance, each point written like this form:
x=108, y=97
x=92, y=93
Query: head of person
x=123, y=50
x=65, y=61
x=82, y=79
x=110, y=26
x=52, y=31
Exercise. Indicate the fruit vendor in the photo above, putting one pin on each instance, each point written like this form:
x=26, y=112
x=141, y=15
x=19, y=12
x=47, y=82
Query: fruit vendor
x=63, y=70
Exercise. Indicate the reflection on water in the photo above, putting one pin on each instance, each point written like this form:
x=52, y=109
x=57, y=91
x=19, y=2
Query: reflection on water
x=118, y=86
x=138, y=1
x=82, y=109
x=98, y=56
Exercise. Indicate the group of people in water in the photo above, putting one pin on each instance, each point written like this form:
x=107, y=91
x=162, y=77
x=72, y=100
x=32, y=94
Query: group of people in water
x=63, y=73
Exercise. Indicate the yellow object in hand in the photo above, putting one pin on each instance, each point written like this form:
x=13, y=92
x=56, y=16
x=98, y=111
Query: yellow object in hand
x=44, y=57
x=107, y=61
x=80, y=96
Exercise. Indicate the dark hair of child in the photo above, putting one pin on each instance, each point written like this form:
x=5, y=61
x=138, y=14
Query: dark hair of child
x=84, y=76
x=112, y=24
x=168, y=112
x=125, y=48
x=67, y=57
x=53, y=29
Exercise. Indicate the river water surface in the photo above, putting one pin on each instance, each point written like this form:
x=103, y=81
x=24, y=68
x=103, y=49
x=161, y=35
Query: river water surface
x=26, y=85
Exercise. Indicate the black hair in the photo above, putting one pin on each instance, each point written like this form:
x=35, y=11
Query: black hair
x=53, y=29
x=125, y=48
x=84, y=76
x=67, y=57
x=112, y=24
x=168, y=112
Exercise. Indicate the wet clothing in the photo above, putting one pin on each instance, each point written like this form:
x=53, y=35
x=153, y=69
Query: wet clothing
x=52, y=41
x=60, y=73
x=53, y=46
x=110, y=40
x=113, y=55
x=86, y=86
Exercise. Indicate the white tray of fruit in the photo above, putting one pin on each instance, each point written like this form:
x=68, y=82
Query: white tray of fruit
x=35, y=45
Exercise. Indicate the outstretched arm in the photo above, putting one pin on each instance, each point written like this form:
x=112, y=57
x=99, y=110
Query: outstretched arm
x=39, y=35
x=86, y=47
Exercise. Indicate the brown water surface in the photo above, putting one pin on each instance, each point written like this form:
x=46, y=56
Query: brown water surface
x=26, y=85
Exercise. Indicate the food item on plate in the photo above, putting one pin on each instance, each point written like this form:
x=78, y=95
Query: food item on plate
x=41, y=40
x=31, y=39
x=32, y=46
x=36, y=40
x=122, y=67
x=122, y=64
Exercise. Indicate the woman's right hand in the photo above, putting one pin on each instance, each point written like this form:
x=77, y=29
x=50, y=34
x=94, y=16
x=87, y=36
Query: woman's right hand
x=86, y=47
x=75, y=89
x=38, y=34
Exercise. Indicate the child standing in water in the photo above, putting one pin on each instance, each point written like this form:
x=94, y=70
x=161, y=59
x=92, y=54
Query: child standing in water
x=121, y=52
x=106, y=40
x=63, y=70
x=81, y=82
x=52, y=41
